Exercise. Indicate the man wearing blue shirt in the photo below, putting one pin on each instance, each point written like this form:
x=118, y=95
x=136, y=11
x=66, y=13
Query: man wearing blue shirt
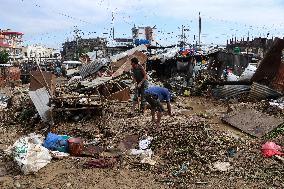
x=154, y=96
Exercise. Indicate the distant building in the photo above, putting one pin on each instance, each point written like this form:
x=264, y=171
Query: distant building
x=143, y=35
x=257, y=45
x=123, y=42
x=73, y=49
x=11, y=41
x=38, y=51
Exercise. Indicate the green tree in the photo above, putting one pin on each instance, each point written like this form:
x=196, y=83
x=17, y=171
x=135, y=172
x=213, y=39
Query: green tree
x=4, y=57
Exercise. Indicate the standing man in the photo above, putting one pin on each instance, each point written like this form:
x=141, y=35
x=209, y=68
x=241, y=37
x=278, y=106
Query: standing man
x=139, y=77
x=154, y=96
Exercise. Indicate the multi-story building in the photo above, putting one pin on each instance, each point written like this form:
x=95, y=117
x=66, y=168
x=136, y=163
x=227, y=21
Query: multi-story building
x=72, y=50
x=11, y=41
x=38, y=51
x=143, y=35
x=40, y=54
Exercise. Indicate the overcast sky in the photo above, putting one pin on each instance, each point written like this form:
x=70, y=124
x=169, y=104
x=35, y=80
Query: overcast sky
x=51, y=22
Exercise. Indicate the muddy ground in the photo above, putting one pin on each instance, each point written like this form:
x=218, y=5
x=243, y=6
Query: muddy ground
x=195, y=137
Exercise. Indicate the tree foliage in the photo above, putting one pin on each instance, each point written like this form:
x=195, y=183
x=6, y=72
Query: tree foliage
x=4, y=57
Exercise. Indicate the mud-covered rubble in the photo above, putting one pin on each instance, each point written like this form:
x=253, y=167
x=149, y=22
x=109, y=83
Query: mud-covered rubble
x=186, y=148
x=199, y=146
x=191, y=142
x=191, y=148
x=20, y=109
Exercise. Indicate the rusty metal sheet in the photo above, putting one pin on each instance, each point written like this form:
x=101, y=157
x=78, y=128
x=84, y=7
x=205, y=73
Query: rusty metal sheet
x=278, y=82
x=116, y=65
x=252, y=121
x=128, y=53
x=40, y=98
x=141, y=57
x=38, y=81
x=126, y=66
x=269, y=66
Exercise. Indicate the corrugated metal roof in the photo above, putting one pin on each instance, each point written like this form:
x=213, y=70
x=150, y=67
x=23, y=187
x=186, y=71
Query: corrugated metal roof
x=40, y=99
x=230, y=91
x=93, y=67
x=261, y=92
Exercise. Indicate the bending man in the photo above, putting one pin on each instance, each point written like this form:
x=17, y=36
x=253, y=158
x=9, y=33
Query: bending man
x=154, y=96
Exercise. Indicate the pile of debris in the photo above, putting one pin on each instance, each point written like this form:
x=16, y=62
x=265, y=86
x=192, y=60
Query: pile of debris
x=186, y=149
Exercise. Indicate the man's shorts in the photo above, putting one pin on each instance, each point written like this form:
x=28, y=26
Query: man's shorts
x=154, y=102
x=140, y=92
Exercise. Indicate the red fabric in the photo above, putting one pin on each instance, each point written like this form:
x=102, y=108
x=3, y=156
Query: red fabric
x=270, y=149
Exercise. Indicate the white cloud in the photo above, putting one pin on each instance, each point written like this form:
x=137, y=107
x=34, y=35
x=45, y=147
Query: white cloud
x=39, y=16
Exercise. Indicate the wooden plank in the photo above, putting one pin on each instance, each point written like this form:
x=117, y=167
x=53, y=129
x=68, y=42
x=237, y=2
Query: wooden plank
x=70, y=109
x=123, y=95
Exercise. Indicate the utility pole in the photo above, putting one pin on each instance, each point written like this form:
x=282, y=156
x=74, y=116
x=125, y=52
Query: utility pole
x=182, y=35
x=248, y=47
x=112, y=15
x=77, y=36
x=199, y=27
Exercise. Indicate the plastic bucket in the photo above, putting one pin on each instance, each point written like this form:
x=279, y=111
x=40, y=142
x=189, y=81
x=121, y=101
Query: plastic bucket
x=75, y=146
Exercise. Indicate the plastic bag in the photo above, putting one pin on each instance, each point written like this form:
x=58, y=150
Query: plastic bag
x=270, y=149
x=56, y=142
x=144, y=153
x=144, y=144
x=248, y=73
x=29, y=153
x=232, y=77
